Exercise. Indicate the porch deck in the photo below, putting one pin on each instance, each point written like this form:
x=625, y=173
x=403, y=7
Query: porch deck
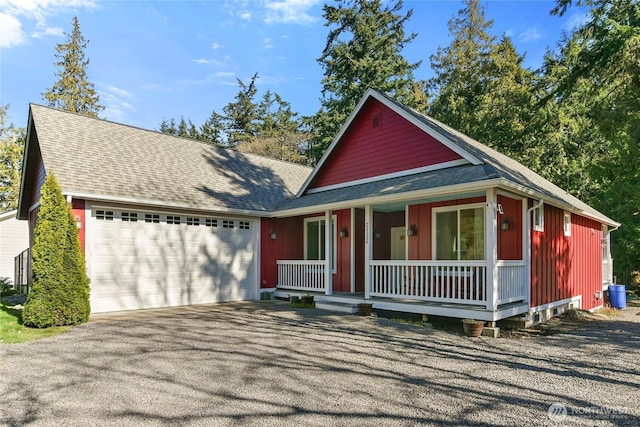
x=445, y=309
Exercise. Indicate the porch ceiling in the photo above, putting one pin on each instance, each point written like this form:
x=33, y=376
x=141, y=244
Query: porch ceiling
x=431, y=180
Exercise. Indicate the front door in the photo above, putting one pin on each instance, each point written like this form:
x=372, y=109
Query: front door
x=398, y=243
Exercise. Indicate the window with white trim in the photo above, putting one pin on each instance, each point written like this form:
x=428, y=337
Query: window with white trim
x=459, y=233
x=173, y=219
x=208, y=222
x=243, y=225
x=538, y=219
x=314, y=239
x=104, y=215
x=567, y=224
x=193, y=221
x=227, y=223
x=152, y=218
x=129, y=217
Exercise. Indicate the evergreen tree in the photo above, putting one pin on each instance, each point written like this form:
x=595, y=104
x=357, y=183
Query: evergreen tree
x=597, y=76
x=363, y=50
x=11, y=148
x=241, y=116
x=73, y=91
x=212, y=131
x=60, y=291
x=458, y=88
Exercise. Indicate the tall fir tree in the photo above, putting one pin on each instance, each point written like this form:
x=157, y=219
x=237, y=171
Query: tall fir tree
x=456, y=91
x=73, y=91
x=597, y=78
x=60, y=291
x=241, y=116
x=363, y=50
x=11, y=149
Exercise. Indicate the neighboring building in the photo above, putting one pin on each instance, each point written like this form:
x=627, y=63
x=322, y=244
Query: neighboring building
x=403, y=210
x=14, y=238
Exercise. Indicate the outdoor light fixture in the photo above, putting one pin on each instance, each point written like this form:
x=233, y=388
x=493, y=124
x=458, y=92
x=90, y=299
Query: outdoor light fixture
x=272, y=235
x=376, y=234
x=412, y=230
x=344, y=232
x=504, y=225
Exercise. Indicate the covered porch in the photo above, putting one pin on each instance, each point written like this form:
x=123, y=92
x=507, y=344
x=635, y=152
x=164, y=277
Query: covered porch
x=457, y=255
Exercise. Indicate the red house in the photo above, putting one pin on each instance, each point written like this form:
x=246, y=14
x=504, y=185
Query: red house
x=411, y=215
x=401, y=211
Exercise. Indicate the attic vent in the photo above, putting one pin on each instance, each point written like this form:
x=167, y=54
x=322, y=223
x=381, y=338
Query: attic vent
x=376, y=121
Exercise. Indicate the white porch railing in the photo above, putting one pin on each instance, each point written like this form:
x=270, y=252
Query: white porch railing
x=439, y=281
x=301, y=275
x=512, y=281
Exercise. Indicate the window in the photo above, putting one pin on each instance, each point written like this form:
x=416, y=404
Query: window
x=567, y=224
x=173, y=219
x=155, y=219
x=208, y=222
x=193, y=221
x=243, y=225
x=130, y=216
x=459, y=234
x=314, y=238
x=104, y=215
x=538, y=218
x=227, y=224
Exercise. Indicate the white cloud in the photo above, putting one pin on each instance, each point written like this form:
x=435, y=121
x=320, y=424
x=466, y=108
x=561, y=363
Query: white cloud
x=14, y=14
x=117, y=102
x=267, y=43
x=216, y=46
x=11, y=33
x=51, y=31
x=290, y=12
x=576, y=20
x=201, y=61
x=530, y=34
x=246, y=15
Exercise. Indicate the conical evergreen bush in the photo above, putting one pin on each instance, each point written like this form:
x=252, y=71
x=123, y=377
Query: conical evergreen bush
x=60, y=291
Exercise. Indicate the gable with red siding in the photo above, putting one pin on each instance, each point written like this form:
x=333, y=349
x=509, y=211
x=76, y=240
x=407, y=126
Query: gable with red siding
x=380, y=142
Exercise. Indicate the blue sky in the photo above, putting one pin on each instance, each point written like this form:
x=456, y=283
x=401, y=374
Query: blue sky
x=153, y=60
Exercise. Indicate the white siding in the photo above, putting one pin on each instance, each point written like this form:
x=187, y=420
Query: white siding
x=14, y=238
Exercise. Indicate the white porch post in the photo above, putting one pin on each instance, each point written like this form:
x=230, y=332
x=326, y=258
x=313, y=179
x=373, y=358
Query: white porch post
x=491, y=249
x=328, y=251
x=526, y=247
x=368, y=245
x=352, y=251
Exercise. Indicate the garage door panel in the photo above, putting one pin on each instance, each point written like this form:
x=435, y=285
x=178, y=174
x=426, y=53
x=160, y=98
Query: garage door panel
x=146, y=265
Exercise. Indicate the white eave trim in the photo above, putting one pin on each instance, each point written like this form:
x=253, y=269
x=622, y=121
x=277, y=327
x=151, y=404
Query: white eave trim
x=390, y=198
x=403, y=113
x=164, y=205
x=407, y=172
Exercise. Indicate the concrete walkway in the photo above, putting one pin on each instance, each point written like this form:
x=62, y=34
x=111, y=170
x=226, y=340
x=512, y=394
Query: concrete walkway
x=265, y=364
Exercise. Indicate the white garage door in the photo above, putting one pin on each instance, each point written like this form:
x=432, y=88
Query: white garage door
x=148, y=260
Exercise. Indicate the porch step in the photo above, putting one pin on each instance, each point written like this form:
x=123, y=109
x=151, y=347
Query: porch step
x=337, y=306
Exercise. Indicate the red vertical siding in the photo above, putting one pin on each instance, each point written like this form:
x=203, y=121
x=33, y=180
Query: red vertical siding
x=342, y=277
x=77, y=207
x=566, y=266
x=420, y=243
x=394, y=145
x=287, y=245
x=510, y=241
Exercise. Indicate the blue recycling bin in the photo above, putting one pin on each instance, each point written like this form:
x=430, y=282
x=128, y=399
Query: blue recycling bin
x=618, y=296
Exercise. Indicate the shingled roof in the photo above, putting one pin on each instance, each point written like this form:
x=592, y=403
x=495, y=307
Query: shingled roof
x=489, y=166
x=102, y=160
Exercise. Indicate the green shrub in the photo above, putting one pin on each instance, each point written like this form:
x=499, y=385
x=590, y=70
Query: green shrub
x=5, y=287
x=60, y=291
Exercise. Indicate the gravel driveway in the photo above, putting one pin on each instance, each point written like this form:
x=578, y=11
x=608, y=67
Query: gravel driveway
x=265, y=364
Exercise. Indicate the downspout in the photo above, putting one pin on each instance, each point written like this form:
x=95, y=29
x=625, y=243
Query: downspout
x=529, y=243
